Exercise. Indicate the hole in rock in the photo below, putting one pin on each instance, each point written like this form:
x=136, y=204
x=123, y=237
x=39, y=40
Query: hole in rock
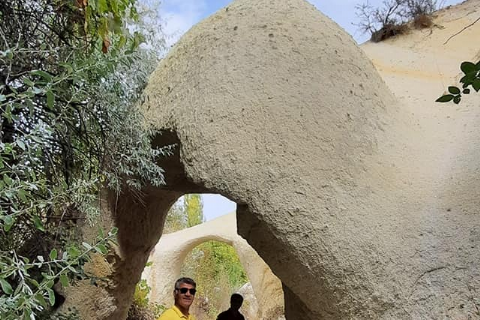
x=200, y=241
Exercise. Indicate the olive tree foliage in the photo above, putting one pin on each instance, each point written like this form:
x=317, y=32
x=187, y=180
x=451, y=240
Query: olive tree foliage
x=71, y=74
x=470, y=80
x=388, y=18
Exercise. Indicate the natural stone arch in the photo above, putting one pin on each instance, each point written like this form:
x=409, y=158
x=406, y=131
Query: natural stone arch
x=171, y=250
x=271, y=105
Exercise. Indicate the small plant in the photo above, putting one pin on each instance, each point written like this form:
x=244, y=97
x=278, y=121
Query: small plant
x=24, y=296
x=141, y=308
x=470, y=80
x=392, y=17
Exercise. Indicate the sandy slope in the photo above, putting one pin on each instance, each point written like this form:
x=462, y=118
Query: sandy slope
x=418, y=68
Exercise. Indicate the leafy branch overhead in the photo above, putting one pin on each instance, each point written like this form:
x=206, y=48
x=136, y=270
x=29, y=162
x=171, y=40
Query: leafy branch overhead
x=470, y=80
x=72, y=73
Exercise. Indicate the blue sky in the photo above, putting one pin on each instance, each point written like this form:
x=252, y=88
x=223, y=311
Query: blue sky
x=181, y=15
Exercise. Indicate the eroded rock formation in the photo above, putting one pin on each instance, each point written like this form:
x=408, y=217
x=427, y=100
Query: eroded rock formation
x=171, y=250
x=362, y=208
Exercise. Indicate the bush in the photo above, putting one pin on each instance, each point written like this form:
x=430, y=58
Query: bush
x=422, y=21
x=388, y=31
x=393, y=16
x=141, y=308
x=72, y=73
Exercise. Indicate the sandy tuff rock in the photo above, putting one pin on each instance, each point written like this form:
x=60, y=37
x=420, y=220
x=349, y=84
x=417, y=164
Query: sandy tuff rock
x=365, y=205
x=338, y=187
x=171, y=250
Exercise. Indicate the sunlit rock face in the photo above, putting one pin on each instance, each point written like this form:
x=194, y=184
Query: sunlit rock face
x=276, y=108
x=365, y=206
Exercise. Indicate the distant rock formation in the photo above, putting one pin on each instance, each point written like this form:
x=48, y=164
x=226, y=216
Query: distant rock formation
x=171, y=250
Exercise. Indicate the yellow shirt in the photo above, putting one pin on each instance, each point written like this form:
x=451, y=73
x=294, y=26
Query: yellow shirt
x=175, y=314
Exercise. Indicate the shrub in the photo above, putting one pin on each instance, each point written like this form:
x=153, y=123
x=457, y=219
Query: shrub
x=392, y=17
x=422, y=21
x=141, y=308
x=388, y=31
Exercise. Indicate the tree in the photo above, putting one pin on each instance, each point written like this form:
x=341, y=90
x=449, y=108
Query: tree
x=391, y=17
x=194, y=209
x=68, y=128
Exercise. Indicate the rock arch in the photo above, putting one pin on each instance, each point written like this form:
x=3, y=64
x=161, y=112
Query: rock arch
x=272, y=105
x=172, y=249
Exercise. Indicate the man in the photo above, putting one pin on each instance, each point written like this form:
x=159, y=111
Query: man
x=183, y=293
x=236, y=301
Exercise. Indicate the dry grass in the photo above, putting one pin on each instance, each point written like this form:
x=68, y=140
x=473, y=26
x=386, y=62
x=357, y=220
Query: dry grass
x=389, y=31
x=422, y=21
x=137, y=312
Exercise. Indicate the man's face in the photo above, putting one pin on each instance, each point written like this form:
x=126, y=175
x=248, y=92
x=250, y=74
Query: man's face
x=184, y=296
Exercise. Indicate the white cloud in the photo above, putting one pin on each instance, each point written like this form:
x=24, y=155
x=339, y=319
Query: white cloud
x=179, y=16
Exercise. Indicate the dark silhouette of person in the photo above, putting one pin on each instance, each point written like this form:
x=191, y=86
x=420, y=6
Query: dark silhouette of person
x=236, y=301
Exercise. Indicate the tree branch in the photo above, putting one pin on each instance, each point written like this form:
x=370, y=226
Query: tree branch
x=465, y=28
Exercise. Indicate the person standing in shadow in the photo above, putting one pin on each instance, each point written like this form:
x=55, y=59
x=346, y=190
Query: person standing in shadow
x=236, y=301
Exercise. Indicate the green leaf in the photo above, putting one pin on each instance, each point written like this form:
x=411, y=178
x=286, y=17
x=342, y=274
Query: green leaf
x=41, y=300
x=64, y=280
x=40, y=258
x=50, y=99
x=21, y=144
x=53, y=254
x=466, y=91
x=6, y=287
x=102, y=6
x=42, y=74
x=28, y=82
x=9, y=54
x=476, y=84
x=51, y=296
x=457, y=99
x=8, y=222
x=453, y=90
x=34, y=282
x=468, y=67
x=38, y=223
x=114, y=231
x=114, y=5
x=8, y=181
x=31, y=107
x=74, y=252
x=22, y=195
x=86, y=245
x=100, y=248
x=36, y=90
x=122, y=41
x=72, y=269
x=27, y=314
x=445, y=98
x=67, y=67
x=50, y=283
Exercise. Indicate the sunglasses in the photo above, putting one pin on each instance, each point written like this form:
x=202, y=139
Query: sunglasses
x=185, y=290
